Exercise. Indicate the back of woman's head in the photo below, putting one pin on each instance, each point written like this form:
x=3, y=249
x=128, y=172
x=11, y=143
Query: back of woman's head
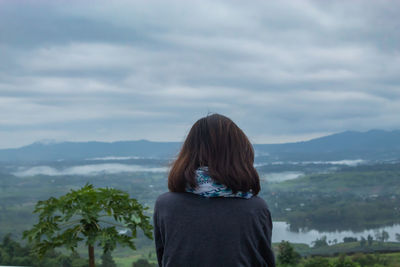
x=217, y=142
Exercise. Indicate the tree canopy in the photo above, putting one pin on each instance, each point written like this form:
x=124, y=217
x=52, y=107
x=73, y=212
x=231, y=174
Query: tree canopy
x=99, y=216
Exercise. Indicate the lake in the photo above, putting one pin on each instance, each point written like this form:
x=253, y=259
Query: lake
x=281, y=232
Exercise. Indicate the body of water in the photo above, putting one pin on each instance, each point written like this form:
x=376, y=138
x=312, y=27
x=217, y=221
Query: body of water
x=281, y=232
x=276, y=177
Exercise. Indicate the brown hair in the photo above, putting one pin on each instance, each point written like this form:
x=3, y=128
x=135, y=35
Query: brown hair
x=217, y=142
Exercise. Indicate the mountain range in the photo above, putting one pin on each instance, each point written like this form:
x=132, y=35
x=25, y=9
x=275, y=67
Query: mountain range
x=370, y=145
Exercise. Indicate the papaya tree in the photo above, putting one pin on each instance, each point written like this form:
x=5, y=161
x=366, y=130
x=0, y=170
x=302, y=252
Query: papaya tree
x=97, y=216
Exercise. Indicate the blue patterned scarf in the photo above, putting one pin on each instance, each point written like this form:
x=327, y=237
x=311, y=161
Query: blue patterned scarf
x=207, y=187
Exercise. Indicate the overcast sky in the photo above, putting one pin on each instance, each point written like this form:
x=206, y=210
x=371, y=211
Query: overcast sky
x=128, y=70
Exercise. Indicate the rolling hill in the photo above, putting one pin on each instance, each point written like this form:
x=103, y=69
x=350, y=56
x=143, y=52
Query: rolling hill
x=372, y=145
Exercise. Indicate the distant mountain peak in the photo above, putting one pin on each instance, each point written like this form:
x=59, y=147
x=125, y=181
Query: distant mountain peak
x=47, y=142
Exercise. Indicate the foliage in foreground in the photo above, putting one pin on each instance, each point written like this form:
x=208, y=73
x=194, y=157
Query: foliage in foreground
x=143, y=263
x=12, y=253
x=15, y=254
x=287, y=256
x=93, y=215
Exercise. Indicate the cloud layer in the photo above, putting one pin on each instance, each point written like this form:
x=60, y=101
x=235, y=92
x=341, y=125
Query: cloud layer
x=286, y=70
x=90, y=169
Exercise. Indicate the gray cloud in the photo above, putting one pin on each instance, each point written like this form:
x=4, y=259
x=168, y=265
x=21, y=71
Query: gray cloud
x=131, y=70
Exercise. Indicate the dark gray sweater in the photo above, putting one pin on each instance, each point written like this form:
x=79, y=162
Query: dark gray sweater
x=191, y=230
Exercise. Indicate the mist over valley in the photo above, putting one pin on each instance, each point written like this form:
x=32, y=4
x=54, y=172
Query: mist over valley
x=296, y=187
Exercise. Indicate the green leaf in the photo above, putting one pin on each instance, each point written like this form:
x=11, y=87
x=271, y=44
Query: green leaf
x=75, y=217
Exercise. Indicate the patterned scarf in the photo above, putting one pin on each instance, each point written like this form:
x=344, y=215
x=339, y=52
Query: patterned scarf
x=207, y=187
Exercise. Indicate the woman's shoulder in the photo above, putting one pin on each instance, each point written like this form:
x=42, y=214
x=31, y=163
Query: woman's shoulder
x=171, y=198
x=181, y=206
x=259, y=202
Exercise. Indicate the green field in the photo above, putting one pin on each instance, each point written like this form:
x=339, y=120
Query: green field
x=352, y=198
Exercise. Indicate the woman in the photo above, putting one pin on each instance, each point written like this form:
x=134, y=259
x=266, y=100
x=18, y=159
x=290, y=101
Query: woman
x=212, y=215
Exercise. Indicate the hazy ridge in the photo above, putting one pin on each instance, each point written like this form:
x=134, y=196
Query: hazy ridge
x=371, y=145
